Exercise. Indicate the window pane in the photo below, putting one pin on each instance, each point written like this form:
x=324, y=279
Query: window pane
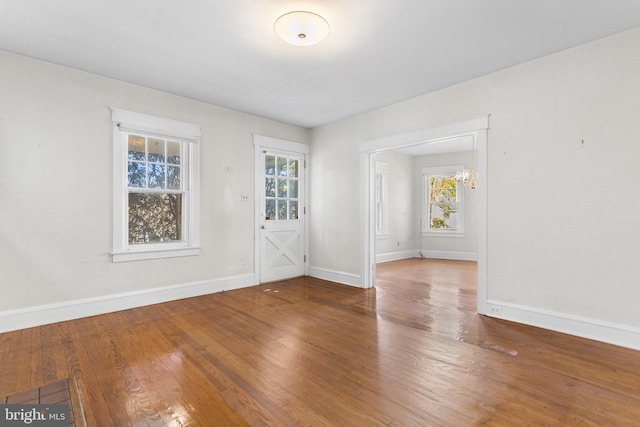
x=173, y=177
x=452, y=222
x=444, y=216
x=293, y=168
x=156, y=175
x=136, y=176
x=293, y=209
x=282, y=187
x=155, y=218
x=282, y=166
x=293, y=188
x=379, y=218
x=135, y=147
x=269, y=165
x=443, y=196
x=173, y=152
x=282, y=209
x=443, y=189
x=270, y=209
x=270, y=187
x=156, y=150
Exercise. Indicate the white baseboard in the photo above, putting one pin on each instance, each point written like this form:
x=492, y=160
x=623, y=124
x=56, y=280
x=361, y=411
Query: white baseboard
x=12, y=320
x=460, y=256
x=394, y=256
x=598, y=330
x=336, y=276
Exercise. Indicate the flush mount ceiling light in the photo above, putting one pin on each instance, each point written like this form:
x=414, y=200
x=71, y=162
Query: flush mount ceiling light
x=301, y=28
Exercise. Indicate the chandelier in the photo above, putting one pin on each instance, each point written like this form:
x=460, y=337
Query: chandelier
x=467, y=177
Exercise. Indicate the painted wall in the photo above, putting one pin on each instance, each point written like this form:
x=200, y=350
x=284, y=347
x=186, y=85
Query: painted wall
x=447, y=247
x=56, y=187
x=562, y=156
x=404, y=239
x=399, y=241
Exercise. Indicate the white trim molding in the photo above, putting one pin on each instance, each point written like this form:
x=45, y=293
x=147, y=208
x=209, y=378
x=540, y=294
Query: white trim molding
x=593, y=329
x=262, y=143
x=394, y=256
x=426, y=173
x=477, y=126
x=460, y=256
x=140, y=122
x=336, y=276
x=446, y=131
x=12, y=320
x=188, y=135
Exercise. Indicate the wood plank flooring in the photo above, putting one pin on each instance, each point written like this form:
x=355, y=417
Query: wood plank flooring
x=57, y=393
x=306, y=352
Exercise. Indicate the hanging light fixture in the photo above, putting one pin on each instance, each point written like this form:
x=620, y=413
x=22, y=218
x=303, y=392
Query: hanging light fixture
x=467, y=177
x=301, y=28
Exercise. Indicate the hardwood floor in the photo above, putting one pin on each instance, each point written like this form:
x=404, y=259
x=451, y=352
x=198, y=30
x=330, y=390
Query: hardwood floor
x=411, y=351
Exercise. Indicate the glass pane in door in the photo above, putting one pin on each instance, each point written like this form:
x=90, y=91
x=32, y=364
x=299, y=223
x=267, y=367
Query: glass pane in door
x=282, y=187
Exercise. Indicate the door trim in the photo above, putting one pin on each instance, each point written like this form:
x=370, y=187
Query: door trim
x=262, y=143
x=477, y=126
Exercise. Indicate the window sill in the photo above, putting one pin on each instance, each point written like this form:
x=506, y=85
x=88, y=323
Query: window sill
x=444, y=233
x=138, y=255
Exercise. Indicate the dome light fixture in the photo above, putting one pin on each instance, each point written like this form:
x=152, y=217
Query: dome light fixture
x=301, y=28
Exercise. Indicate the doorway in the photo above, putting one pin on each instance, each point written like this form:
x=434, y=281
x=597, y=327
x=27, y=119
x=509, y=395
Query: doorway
x=478, y=128
x=281, y=207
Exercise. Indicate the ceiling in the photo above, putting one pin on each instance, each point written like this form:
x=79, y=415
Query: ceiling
x=379, y=52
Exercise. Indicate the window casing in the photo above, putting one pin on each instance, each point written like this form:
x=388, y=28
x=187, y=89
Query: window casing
x=381, y=203
x=443, y=202
x=156, y=187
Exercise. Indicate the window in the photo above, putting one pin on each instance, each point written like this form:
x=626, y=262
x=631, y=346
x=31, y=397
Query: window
x=155, y=196
x=381, y=199
x=443, y=205
x=282, y=187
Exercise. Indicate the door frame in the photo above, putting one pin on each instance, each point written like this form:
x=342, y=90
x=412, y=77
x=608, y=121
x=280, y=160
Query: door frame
x=262, y=143
x=479, y=127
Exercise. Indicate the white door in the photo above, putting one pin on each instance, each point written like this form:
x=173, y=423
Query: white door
x=282, y=216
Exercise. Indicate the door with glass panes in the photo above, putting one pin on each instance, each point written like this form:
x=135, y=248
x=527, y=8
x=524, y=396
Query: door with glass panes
x=282, y=217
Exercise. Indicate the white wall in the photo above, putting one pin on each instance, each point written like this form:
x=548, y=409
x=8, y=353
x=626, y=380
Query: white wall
x=56, y=192
x=563, y=155
x=398, y=243
x=404, y=238
x=563, y=240
x=447, y=247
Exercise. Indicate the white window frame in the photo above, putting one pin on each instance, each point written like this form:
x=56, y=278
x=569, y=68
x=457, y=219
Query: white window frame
x=441, y=170
x=381, y=201
x=124, y=123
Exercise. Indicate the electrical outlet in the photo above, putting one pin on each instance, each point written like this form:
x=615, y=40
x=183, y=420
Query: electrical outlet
x=244, y=197
x=494, y=309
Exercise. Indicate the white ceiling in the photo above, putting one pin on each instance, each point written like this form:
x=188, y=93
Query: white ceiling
x=379, y=52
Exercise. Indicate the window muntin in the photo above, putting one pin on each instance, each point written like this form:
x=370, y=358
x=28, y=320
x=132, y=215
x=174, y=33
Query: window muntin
x=443, y=207
x=282, y=187
x=156, y=188
x=156, y=181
